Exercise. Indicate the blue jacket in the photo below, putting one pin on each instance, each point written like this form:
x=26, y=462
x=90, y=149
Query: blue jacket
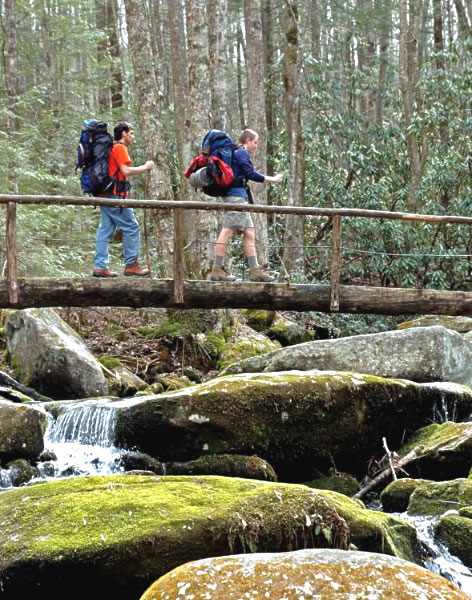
x=243, y=167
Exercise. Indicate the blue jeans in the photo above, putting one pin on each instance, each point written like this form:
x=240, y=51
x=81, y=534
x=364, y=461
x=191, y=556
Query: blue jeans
x=110, y=220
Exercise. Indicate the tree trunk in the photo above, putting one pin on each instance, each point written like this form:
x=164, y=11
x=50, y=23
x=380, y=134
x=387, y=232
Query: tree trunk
x=10, y=64
x=217, y=36
x=407, y=76
x=199, y=117
x=158, y=183
x=256, y=113
x=116, y=85
x=293, y=239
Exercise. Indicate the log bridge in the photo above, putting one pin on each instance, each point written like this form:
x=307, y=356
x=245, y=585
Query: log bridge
x=178, y=292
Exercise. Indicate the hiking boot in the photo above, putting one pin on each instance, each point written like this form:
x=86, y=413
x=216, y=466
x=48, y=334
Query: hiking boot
x=104, y=273
x=219, y=274
x=134, y=270
x=258, y=274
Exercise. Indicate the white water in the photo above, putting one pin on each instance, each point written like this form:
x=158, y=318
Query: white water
x=439, y=560
x=81, y=438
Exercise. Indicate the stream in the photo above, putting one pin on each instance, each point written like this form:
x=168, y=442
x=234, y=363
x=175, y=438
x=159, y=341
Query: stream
x=81, y=441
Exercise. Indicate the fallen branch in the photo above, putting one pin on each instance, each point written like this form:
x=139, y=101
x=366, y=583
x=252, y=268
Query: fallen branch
x=387, y=472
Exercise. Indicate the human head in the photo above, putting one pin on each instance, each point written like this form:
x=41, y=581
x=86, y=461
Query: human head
x=121, y=128
x=247, y=135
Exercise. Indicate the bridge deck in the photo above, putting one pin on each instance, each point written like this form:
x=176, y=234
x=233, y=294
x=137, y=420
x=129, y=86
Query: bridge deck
x=42, y=292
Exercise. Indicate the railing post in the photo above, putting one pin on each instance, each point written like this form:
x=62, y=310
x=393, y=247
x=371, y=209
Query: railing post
x=178, y=266
x=335, y=264
x=11, y=254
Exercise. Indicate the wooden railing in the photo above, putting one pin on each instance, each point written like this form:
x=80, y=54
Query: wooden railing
x=178, y=206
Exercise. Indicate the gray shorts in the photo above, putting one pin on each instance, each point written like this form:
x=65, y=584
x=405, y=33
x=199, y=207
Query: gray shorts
x=236, y=220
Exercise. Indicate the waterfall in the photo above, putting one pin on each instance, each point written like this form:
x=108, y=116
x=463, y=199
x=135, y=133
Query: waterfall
x=85, y=423
x=82, y=440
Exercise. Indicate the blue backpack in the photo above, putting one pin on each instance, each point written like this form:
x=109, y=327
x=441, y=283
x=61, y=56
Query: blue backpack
x=218, y=145
x=93, y=152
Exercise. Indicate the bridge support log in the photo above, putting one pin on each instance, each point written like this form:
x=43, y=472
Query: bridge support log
x=40, y=292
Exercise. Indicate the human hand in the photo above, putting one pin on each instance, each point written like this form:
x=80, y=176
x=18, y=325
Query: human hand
x=149, y=164
x=278, y=177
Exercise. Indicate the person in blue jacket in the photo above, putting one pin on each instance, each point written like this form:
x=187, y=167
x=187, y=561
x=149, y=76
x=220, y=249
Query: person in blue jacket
x=241, y=221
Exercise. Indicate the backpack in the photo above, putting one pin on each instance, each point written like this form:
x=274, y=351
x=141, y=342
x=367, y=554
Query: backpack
x=211, y=170
x=92, y=158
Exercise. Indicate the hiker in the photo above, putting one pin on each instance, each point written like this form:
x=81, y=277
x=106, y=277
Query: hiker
x=113, y=218
x=241, y=221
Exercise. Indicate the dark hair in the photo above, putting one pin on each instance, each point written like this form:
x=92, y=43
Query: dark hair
x=247, y=135
x=119, y=128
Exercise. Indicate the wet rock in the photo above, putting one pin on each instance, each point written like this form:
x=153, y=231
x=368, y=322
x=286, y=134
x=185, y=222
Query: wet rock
x=48, y=355
x=297, y=421
x=459, y=324
x=320, y=574
x=118, y=534
x=423, y=354
x=131, y=461
x=228, y=465
x=396, y=496
x=12, y=390
x=22, y=428
x=455, y=532
x=47, y=456
x=21, y=471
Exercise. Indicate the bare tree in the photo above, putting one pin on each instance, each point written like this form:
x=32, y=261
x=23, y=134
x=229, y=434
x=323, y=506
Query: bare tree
x=150, y=124
x=293, y=239
x=198, y=117
x=256, y=112
x=217, y=34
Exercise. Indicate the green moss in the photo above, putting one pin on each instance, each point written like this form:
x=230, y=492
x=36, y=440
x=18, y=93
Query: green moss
x=123, y=516
x=343, y=483
x=396, y=496
x=456, y=533
x=259, y=320
x=244, y=347
x=374, y=531
x=433, y=437
x=435, y=498
x=109, y=362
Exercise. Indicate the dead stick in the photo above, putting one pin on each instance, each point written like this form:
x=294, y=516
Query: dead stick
x=389, y=454
x=386, y=472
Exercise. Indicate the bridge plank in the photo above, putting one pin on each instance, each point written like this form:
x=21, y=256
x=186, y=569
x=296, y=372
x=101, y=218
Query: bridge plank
x=124, y=291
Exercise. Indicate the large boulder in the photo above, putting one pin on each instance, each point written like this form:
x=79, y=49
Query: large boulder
x=49, y=356
x=22, y=428
x=420, y=354
x=460, y=324
x=298, y=421
x=305, y=574
x=111, y=537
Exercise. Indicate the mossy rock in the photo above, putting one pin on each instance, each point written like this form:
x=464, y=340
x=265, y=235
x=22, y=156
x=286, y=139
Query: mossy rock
x=396, y=496
x=444, y=451
x=21, y=471
x=337, y=482
x=436, y=498
x=246, y=344
x=459, y=324
x=228, y=465
x=455, y=532
x=289, y=333
x=374, y=531
x=297, y=421
x=170, y=383
x=117, y=534
x=259, y=320
x=303, y=575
